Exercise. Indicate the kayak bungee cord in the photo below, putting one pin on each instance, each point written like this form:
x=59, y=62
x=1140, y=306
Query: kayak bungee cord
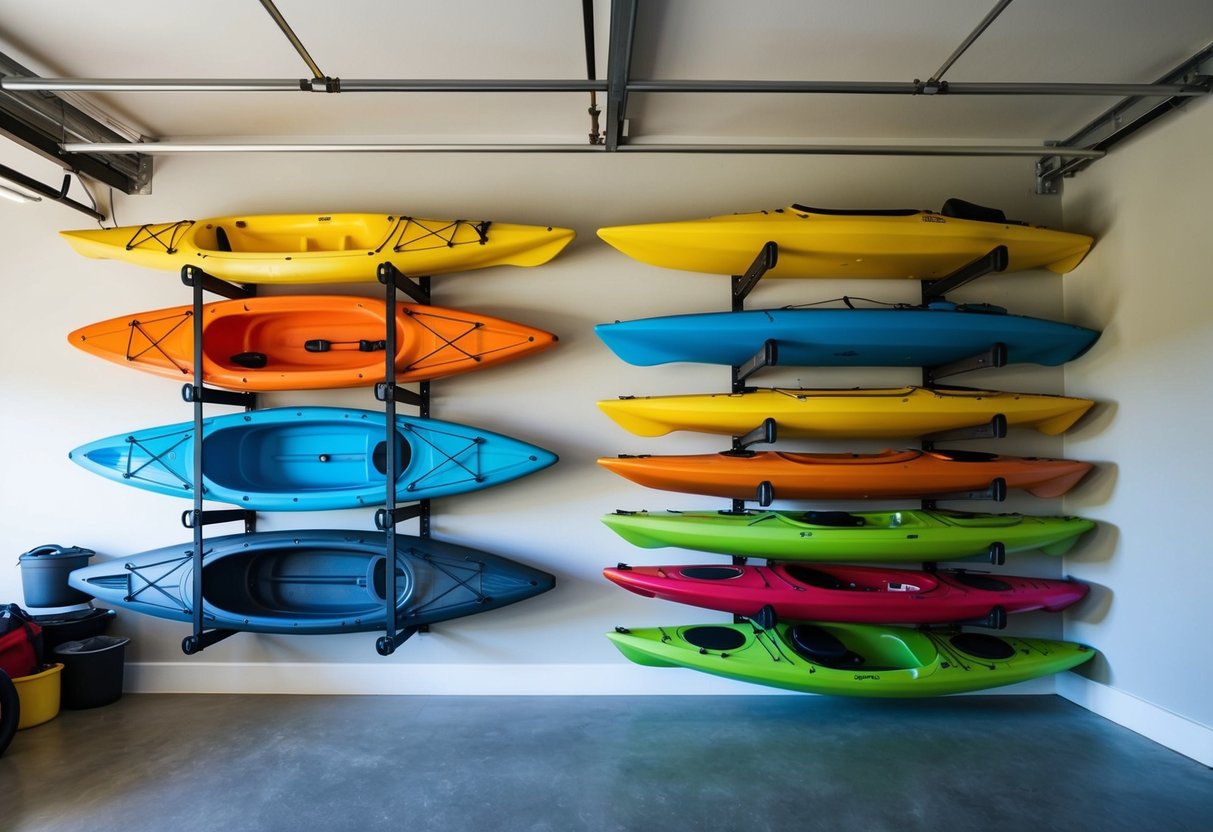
x=475, y=442
x=133, y=443
x=410, y=244
x=154, y=343
x=476, y=571
x=135, y=571
x=473, y=326
x=149, y=235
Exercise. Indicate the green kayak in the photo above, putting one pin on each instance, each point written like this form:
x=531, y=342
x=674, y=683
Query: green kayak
x=881, y=536
x=851, y=659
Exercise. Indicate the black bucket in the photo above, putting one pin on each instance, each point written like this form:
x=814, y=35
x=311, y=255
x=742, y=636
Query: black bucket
x=92, y=671
x=44, y=571
x=73, y=625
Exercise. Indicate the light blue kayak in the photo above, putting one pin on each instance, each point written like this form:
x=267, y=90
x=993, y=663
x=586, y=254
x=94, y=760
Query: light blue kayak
x=312, y=458
x=892, y=336
x=312, y=582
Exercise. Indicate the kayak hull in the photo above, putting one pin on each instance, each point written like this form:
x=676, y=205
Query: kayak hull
x=330, y=248
x=312, y=582
x=865, y=660
x=844, y=414
x=312, y=458
x=307, y=342
x=855, y=594
x=916, y=245
x=889, y=474
x=912, y=535
x=889, y=337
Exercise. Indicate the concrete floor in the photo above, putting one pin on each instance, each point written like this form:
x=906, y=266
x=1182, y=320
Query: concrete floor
x=268, y=763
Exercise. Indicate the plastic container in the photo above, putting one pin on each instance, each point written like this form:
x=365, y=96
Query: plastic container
x=39, y=695
x=73, y=625
x=44, y=571
x=92, y=671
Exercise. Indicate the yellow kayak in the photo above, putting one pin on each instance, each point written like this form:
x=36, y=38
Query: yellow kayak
x=823, y=243
x=331, y=248
x=844, y=414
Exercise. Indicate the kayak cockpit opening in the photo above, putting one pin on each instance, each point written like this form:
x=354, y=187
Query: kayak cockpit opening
x=709, y=637
x=404, y=455
x=820, y=646
x=711, y=573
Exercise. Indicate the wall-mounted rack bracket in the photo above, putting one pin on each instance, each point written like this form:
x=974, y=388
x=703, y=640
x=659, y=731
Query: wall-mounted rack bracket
x=418, y=290
x=768, y=356
x=765, y=493
x=193, y=393
x=996, y=428
x=996, y=491
x=199, y=641
x=995, y=356
x=401, y=395
x=421, y=510
x=993, y=261
x=766, y=433
x=766, y=618
x=193, y=276
x=996, y=619
x=191, y=518
x=743, y=284
x=386, y=645
x=995, y=554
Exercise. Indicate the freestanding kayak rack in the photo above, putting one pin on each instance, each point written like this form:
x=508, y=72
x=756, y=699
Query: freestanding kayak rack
x=390, y=394
x=199, y=395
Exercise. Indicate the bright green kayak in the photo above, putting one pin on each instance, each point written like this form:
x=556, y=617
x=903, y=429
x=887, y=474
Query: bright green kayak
x=882, y=536
x=851, y=659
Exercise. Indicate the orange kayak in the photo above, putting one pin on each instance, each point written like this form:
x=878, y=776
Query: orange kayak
x=308, y=342
x=886, y=475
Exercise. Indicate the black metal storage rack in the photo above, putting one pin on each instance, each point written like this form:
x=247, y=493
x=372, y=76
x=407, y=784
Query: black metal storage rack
x=387, y=392
x=198, y=395
x=994, y=261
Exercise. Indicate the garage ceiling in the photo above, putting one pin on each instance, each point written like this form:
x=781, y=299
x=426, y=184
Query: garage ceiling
x=724, y=41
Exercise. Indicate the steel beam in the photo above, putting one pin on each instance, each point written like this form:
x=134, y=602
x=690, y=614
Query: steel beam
x=619, y=67
x=1123, y=120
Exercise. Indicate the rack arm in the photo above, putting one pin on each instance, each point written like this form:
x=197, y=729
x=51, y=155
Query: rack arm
x=767, y=257
x=995, y=260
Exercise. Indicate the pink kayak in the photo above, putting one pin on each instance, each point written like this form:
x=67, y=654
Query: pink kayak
x=863, y=594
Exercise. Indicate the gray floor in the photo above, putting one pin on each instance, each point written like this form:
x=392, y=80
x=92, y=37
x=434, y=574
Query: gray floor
x=181, y=763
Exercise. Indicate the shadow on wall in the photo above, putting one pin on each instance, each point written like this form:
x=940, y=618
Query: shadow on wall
x=1096, y=487
x=1100, y=418
x=1097, y=546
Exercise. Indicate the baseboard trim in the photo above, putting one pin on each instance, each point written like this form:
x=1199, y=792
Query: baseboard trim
x=394, y=679
x=1158, y=724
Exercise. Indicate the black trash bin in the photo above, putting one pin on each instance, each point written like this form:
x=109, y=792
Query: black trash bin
x=92, y=671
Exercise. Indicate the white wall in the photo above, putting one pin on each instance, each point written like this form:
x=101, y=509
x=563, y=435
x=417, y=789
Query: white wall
x=1146, y=284
x=56, y=397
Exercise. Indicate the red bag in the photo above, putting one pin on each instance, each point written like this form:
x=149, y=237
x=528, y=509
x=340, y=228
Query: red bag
x=20, y=642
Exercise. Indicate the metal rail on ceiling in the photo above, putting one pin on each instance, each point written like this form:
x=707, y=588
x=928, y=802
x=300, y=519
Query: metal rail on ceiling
x=90, y=150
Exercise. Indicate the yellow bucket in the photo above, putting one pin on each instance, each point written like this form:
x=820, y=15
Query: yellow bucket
x=39, y=695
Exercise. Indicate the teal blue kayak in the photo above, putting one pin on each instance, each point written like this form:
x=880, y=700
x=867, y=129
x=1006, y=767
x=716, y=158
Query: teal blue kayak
x=891, y=336
x=312, y=458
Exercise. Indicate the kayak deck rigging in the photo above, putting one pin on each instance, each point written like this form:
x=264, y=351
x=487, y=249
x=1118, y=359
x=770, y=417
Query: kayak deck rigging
x=410, y=233
x=147, y=234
